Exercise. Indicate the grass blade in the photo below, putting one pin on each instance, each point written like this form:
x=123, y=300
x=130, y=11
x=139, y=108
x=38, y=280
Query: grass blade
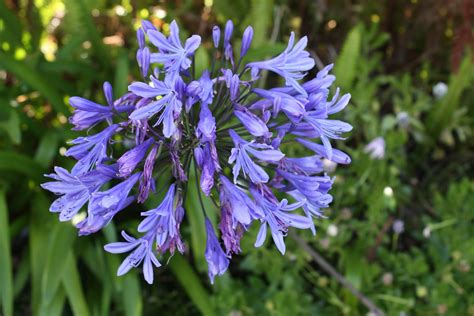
x=6, y=276
x=345, y=68
x=61, y=241
x=40, y=224
x=121, y=75
x=12, y=161
x=191, y=284
x=47, y=149
x=196, y=221
x=443, y=113
x=131, y=295
x=72, y=285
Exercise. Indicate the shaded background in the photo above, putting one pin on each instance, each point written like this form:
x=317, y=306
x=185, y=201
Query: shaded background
x=399, y=230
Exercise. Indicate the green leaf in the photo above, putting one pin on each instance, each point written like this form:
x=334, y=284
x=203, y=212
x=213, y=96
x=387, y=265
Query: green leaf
x=72, y=285
x=131, y=295
x=11, y=161
x=47, y=148
x=11, y=124
x=202, y=61
x=261, y=19
x=345, y=67
x=80, y=23
x=41, y=223
x=6, y=276
x=35, y=80
x=265, y=51
x=192, y=285
x=22, y=275
x=121, y=75
x=442, y=114
x=55, y=308
x=12, y=30
x=61, y=241
x=196, y=221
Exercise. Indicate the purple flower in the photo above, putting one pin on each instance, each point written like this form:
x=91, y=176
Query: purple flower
x=328, y=129
x=278, y=217
x=240, y=155
x=338, y=156
x=171, y=53
x=168, y=101
x=291, y=64
x=309, y=209
x=376, y=148
x=132, y=158
x=87, y=113
x=278, y=101
x=305, y=165
x=147, y=182
x=233, y=84
x=314, y=188
x=208, y=166
x=252, y=122
x=142, y=251
x=90, y=150
x=75, y=190
x=104, y=205
x=163, y=221
x=217, y=260
x=228, y=128
x=244, y=210
x=206, y=129
x=231, y=232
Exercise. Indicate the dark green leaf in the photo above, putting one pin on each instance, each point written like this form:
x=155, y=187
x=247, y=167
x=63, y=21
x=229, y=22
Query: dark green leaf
x=12, y=161
x=192, y=285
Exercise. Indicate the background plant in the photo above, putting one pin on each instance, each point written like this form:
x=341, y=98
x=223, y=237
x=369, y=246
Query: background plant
x=400, y=229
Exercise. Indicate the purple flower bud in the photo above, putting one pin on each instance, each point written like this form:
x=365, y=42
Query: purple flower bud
x=132, y=158
x=246, y=41
x=216, y=35
x=206, y=130
x=193, y=88
x=143, y=59
x=229, y=28
x=108, y=92
x=217, y=260
x=141, y=38
x=252, y=123
x=147, y=26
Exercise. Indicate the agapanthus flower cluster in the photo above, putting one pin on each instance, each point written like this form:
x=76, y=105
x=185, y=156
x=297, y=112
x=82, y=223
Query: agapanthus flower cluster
x=218, y=127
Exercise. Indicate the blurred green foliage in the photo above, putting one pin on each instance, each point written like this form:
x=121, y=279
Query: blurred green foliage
x=400, y=229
